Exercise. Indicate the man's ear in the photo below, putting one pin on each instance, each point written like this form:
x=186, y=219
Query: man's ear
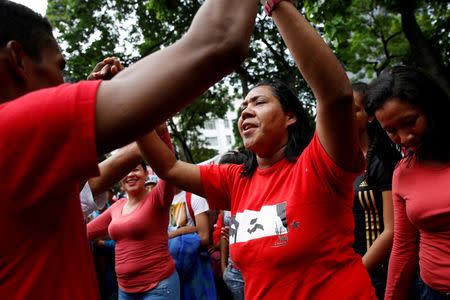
x=17, y=59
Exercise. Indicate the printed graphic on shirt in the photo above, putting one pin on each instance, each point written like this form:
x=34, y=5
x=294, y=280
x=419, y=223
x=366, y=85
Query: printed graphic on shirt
x=177, y=215
x=251, y=225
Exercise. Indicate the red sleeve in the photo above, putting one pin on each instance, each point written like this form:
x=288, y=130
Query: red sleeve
x=99, y=226
x=164, y=192
x=338, y=179
x=51, y=135
x=217, y=181
x=403, y=262
x=217, y=233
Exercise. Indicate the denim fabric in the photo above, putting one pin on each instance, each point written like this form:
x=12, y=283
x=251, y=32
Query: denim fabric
x=167, y=289
x=234, y=281
x=427, y=293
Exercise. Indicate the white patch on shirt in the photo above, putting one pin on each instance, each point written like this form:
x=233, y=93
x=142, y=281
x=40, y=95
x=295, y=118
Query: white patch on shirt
x=251, y=225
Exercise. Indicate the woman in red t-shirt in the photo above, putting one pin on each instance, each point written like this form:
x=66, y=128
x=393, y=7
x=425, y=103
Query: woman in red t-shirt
x=291, y=231
x=138, y=225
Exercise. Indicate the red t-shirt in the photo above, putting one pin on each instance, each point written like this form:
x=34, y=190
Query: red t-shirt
x=142, y=251
x=291, y=231
x=47, y=146
x=421, y=197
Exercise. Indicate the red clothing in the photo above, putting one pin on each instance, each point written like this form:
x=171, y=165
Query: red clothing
x=47, y=141
x=217, y=232
x=142, y=252
x=421, y=197
x=292, y=227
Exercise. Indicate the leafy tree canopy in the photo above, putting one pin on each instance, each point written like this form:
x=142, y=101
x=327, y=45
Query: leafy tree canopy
x=366, y=35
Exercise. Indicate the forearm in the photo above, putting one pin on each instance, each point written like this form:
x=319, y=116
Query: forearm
x=336, y=123
x=99, y=226
x=315, y=60
x=157, y=154
x=182, y=230
x=223, y=253
x=164, y=163
x=379, y=252
x=155, y=88
x=115, y=168
x=403, y=264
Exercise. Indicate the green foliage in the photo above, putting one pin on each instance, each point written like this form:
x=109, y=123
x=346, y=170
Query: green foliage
x=366, y=35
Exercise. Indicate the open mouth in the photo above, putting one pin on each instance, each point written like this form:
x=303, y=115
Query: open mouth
x=247, y=127
x=131, y=181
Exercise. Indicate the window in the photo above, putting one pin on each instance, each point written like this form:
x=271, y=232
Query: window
x=226, y=122
x=210, y=124
x=212, y=141
x=228, y=139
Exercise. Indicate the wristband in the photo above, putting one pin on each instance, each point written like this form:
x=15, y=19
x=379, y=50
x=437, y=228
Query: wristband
x=270, y=5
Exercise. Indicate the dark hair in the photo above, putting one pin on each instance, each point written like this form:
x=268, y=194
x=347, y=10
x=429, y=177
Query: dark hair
x=361, y=88
x=143, y=165
x=299, y=133
x=234, y=157
x=19, y=23
x=419, y=89
x=380, y=144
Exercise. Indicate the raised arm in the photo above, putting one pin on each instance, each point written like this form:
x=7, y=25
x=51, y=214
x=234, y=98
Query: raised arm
x=115, y=168
x=164, y=163
x=156, y=87
x=336, y=125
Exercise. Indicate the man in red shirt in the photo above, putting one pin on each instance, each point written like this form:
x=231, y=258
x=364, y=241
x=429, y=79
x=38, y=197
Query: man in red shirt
x=51, y=134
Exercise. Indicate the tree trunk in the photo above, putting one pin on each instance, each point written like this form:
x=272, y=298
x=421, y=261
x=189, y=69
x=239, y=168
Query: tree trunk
x=421, y=49
x=184, y=146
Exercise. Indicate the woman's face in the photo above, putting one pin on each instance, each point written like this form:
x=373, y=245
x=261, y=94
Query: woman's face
x=404, y=123
x=263, y=124
x=134, y=182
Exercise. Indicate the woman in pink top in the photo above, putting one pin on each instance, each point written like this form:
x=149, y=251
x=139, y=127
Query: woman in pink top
x=138, y=225
x=413, y=110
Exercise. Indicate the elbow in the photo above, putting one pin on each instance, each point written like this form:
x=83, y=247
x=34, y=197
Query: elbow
x=234, y=50
x=388, y=233
x=227, y=53
x=225, y=47
x=345, y=95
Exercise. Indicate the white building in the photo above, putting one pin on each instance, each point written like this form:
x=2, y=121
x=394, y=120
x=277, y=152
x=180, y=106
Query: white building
x=218, y=133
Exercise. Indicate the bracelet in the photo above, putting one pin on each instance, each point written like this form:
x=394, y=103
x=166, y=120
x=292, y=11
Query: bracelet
x=270, y=5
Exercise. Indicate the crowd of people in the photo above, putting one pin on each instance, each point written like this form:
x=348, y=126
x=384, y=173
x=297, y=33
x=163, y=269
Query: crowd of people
x=357, y=207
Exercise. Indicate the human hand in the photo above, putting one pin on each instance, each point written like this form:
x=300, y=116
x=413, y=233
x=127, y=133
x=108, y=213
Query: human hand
x=106, y=69
x=211, y=249
x=225, y=233
x=270, y=5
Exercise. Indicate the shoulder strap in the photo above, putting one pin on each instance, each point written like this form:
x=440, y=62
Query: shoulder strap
x=189, y=206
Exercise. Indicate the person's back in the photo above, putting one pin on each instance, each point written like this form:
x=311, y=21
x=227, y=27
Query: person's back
x=41, y=219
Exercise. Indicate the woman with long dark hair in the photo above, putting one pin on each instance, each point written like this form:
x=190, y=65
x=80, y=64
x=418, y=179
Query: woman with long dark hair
x=373, y=211
x=291, y=232
x=413, y=110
